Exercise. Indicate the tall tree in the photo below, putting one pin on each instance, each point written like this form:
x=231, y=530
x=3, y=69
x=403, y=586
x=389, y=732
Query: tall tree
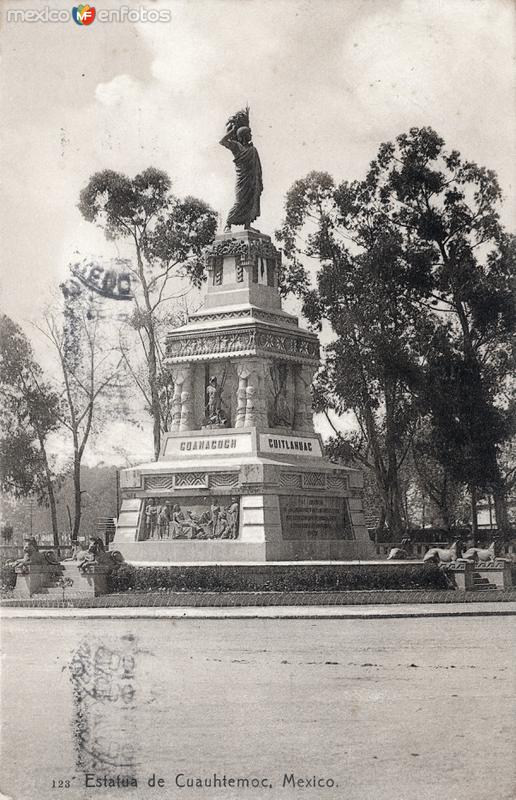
x=89, y=381
x=445, y=211
x=30, y=412
x=168, y=236
x=415, y=281
x=365, y=296
x=435, y=482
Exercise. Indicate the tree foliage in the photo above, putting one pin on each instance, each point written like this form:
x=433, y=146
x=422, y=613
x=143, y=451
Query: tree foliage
x=168, y=236
x=414, y=280
x=30, y=413
x=363, y=294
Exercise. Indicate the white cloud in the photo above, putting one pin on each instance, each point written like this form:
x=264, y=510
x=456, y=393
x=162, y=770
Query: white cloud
x=118, y=90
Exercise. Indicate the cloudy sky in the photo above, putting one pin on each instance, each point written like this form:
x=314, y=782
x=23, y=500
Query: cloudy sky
x=327, y=81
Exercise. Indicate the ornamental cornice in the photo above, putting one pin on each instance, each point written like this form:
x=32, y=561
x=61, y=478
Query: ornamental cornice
x=246, y=250
x=251, y=340
x=250, y=313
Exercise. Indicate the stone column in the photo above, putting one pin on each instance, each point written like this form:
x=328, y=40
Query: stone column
x=241, y=395
x=308, y=373
x=186, y=422
x=299, y=406
x=176, y=399
x=255, y=409
x=303, y=415
x=262, y=375
x=251, y=406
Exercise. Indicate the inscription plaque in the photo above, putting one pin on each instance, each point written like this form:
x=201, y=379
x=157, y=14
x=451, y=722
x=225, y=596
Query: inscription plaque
x=311, y=518
x=290, y=445
x=223, y=443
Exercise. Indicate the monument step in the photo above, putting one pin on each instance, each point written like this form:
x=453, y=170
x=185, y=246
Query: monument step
x=51, y=591
x=54, y=582
x=484, y=587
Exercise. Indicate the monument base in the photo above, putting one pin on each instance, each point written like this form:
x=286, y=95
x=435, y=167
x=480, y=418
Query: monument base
x=241, y=552
x=241, y=495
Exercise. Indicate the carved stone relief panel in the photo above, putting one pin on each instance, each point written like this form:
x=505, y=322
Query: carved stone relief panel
x=223, y=479
x=158, y=482
x=313, y=480
x=191, y=480
x=337, y=482
x=290, y=480
x=208, y=517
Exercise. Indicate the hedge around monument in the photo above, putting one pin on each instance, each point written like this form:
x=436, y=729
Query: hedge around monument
x=129, y=578
x=7, y=577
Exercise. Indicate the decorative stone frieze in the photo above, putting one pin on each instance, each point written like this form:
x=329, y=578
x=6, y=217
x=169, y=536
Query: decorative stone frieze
x=158, y=482
x=223, y=479
x=191, y=480
x=246, y=249
x=248, y=341
x=247, y=313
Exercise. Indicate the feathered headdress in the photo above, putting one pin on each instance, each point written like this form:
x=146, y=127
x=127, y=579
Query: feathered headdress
x=240, y=119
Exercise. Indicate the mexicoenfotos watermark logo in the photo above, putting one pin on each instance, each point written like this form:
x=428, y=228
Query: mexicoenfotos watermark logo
x=85, y=14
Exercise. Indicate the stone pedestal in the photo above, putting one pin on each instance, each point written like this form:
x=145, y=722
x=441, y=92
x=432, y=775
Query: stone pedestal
x=241, y=476
x=497, y=572
x=33, y=579
x=247, y=494
x=482, y=576
x=89, y=582
x=462, y=572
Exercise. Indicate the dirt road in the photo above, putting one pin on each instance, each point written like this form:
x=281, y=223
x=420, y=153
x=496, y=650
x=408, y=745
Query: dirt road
x=392, y=709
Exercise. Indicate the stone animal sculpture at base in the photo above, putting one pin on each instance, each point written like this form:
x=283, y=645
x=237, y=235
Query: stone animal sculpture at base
x=97, y=555
x=397, y=554
x=480, y=554
x=32, y=556
x=404, y=551
x=440, y=555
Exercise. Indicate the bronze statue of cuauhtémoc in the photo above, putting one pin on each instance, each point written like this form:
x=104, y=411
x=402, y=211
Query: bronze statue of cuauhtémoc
x=249, y=186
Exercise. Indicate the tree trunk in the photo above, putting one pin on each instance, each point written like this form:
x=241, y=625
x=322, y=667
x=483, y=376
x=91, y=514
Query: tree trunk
x=502, y=517
x=50, y=492
x=155, y=404
x=70, y=525
x=53, y=512
x=474, y=515
x=501, y=512
x=77, y=498
x=444, y=505
x=380, y=528
x=387, y=482
x=393, y=515
x=152, y=361
x=394, y=504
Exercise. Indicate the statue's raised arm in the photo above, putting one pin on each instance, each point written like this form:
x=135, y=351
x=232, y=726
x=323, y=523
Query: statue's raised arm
x=249, y=184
